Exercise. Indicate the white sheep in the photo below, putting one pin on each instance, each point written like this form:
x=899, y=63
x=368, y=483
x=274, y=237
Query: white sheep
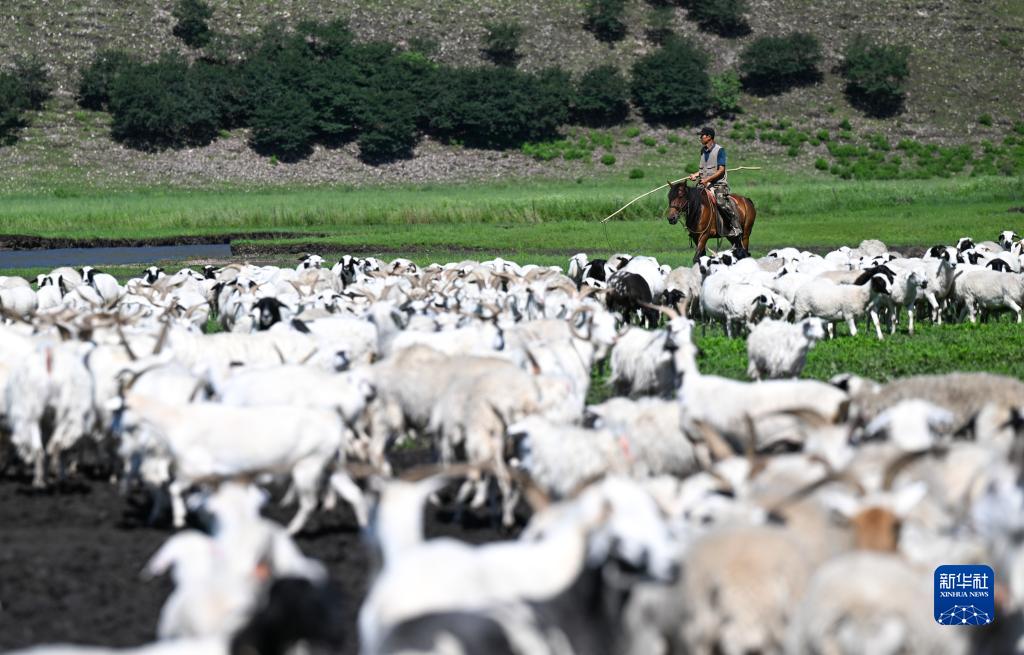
x=683, y=284
x=217, y=578
x=841, y=302
x=643, y=362
x=651, y=429
x=777, y=349
x=991, y=291
x=212, y=441
x=50, y=383
x=17, y=301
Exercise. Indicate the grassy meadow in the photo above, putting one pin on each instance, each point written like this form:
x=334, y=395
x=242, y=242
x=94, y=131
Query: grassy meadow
x=793, y=209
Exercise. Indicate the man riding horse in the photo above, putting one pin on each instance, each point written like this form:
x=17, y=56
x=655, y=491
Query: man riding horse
x=697, y=205
x=711, y=174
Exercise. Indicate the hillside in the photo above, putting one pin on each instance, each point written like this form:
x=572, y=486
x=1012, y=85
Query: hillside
x=965, y=62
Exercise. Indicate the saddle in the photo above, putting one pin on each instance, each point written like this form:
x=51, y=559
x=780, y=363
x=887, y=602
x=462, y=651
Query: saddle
x=721, y=228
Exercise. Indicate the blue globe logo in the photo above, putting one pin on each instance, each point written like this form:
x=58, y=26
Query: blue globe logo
x=964, y=615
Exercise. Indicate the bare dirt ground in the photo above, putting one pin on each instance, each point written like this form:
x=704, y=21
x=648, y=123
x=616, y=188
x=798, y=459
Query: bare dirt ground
x=70, y=561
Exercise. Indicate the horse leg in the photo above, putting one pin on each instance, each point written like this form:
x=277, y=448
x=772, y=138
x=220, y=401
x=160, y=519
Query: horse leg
x=737, y=244
x=701, y=243
x=746, y=215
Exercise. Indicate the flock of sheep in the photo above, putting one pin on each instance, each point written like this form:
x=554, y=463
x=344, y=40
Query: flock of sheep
x=689, y=513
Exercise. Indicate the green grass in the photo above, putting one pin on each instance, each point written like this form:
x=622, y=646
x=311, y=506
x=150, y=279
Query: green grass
x=792, y=210
x=933, y=349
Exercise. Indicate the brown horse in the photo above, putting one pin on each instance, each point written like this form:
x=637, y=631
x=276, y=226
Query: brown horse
x=700, y=213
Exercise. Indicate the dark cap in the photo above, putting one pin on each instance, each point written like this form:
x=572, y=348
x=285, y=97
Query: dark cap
x=710, y=131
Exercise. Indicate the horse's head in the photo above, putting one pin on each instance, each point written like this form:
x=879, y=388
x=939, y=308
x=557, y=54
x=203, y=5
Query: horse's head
x=677, y=200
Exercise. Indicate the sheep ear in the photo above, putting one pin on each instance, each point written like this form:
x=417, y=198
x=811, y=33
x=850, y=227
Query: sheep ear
x=840, y=502
x=908, y=497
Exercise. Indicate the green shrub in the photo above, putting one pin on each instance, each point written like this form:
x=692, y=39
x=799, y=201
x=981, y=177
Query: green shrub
x=601, y=98
x=23, y=89
x=604, y=18
x=501, y=42
x=12, y=107
x=821, y=164
x=845, y=125
x=97, y=76
x=392, y=136
x=499, y=107
x=875, y=75
x=772, y=64
x=34, y=80
x=541, y=151
x=670, y=85
x=225, y=86
x=192, y=24
x=823, y=136
x=725, y=93
x=390, y=113
x=608, y=160
x=722, y=17
x=673, y=139
x=602, y=139
x=879, y=142
x=160, y=105
x=793, y=151
x=632, y=132
x=636, y=174
x=648, y=141
x=985, y=119
x=283, y=123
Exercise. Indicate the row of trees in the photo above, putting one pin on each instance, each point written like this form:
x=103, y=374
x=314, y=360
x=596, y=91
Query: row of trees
x=317, y=85
x=875, y=73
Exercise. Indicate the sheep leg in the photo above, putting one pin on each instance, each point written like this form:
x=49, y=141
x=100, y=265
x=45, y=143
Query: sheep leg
x=306, y=478
x=61, y=440
x=933, y=301
x=329, y=501
x=1015, y=307
x=375, y=449
x=467, y=487
x=910, y=320
x=39, y=478
x=852, y=325
x=33, y=452
x=352, y=494
x=157, y=508
x=175, y=489
x=874, y=319
x=289, y=495
x=480, y=495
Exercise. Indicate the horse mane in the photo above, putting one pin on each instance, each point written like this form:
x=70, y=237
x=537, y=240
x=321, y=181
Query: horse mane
x=694, y=201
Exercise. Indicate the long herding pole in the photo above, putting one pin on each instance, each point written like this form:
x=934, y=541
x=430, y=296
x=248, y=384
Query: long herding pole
x=738, y=168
